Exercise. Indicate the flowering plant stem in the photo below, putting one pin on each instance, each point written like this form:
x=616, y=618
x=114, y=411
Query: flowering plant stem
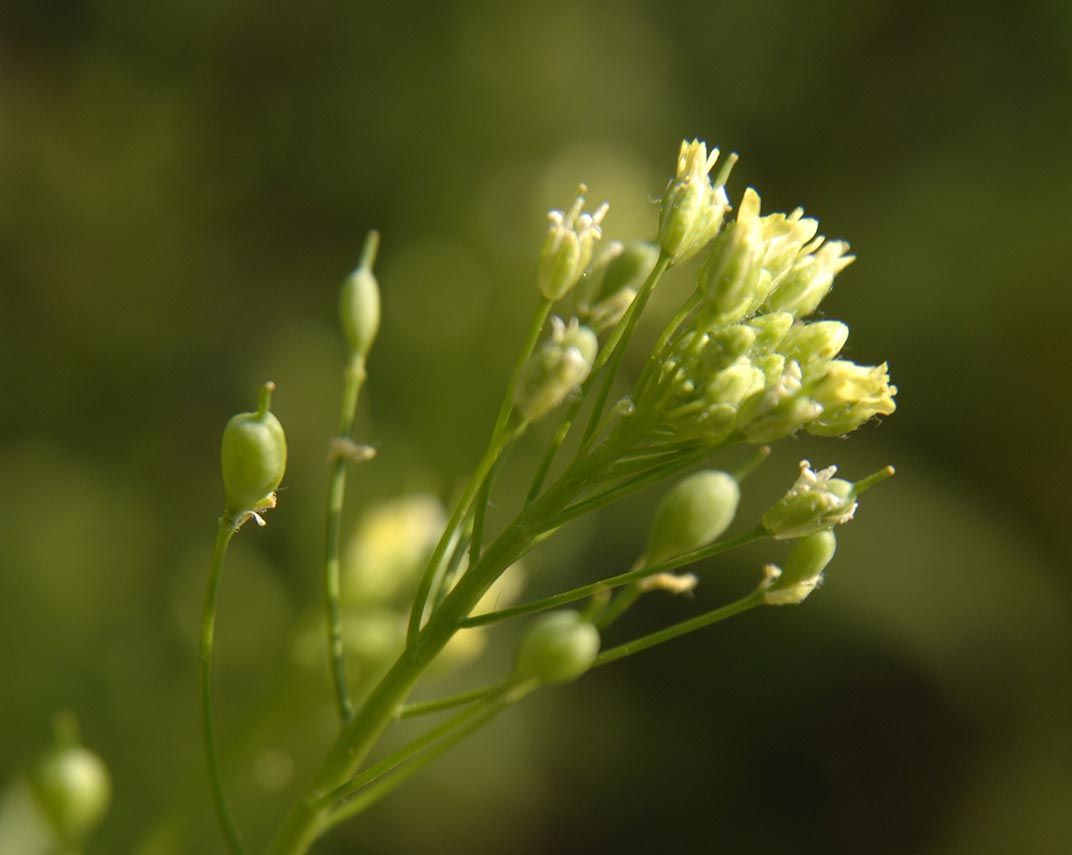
x=483, y=705
x=678, y=629
x=612, y=582
x=224, y=534
x=353, y=380
x=615, y=347
x=501, y=437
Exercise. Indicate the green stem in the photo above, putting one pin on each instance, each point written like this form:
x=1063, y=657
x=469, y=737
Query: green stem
x=461, y=509
x=580, y=593
x=452, y=701
x=677, y=630
x=224, y=534
x=307, y=818
x=633, y=485
x=353, y=381
x=616, y=347
x=472, y=720
x=499, y=439
x=552, y=450
x=441, y=587
x=658, y=352
x=619, y=606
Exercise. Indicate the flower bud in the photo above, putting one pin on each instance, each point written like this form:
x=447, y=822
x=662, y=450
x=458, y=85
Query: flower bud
x=725, y=346
x=736, y=383
x=810, y=278
x=359, y=302
x=771, y=329
x=696, y=511
x=815, y=342
x=72, y=786
x=851, y=394
x=730, y=275
x=556, y=369
x=692, y=207
x=803, y=570
x=567, y=247
x=558, y=648
x=815, y=502
x=253, y=458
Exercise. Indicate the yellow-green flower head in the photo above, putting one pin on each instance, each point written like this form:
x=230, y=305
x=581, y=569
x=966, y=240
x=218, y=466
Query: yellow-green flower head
x=817, y=501
x=810, y=278
x=803, y=570
x=785, y=235
x=752, y=257
x=568, y=246
x=693, y=207
x=850, y=394
x=556, y=369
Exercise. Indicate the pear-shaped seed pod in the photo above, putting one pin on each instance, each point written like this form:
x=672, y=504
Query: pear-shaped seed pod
x=558, y=648
x=695, y=512
x=253, y=458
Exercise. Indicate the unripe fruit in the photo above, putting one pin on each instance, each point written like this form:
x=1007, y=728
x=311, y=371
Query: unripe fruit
x=803, y=570
x=72, y=787
x=253, y=457
x=558, y=648
x=359, y=302
x=695, y=512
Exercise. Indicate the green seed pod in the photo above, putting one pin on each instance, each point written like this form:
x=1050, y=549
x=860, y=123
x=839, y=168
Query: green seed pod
x=803, y=570
x=71, y=785
x=695, y=512
x=359, y=302
x=558, y=648
x=253, y=458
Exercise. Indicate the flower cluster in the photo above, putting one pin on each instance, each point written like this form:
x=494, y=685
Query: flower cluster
x=745, y=365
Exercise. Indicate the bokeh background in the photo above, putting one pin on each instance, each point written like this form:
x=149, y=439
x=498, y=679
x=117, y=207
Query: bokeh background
x=182, y=187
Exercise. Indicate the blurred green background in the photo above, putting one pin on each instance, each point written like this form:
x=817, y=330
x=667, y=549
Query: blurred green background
x=182, y=187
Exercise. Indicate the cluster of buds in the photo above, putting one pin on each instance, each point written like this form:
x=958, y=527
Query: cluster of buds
x=746, y=366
